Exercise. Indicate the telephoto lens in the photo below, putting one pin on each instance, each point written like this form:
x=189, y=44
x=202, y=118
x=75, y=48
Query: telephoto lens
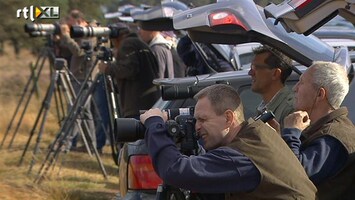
x=111, y=31
x=89, y=31
x=49, y=28
x=39, y=33
x=179, y=92
x=130, y=129
x=173, y=92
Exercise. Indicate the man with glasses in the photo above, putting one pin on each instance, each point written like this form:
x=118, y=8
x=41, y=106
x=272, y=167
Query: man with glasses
x=269, y=71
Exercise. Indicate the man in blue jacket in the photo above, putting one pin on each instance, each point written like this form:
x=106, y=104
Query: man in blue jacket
x=320, y=133
x=244, y=159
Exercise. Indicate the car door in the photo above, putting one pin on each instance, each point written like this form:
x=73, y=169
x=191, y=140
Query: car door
x=236, y=22
x=306, y=16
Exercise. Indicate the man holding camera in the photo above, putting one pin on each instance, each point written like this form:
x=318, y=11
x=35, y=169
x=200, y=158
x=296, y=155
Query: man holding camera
x=320, y=133
x=80, y=64
x=244, y=159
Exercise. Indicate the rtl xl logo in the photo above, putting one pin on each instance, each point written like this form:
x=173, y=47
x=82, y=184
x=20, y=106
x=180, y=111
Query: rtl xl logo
x=39, y=12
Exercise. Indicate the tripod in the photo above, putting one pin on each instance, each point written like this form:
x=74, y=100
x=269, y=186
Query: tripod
x=114, y=111
x=83, y=95
x=43, y=110
x=61, y=75
x=45, y=54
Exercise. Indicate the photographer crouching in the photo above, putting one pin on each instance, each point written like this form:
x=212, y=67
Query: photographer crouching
x=244, y=159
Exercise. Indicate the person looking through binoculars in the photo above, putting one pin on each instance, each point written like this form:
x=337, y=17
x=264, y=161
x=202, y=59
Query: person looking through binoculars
x=133, y=69
x=245, y=159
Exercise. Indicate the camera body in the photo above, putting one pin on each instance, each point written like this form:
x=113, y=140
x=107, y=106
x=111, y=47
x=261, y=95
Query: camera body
x=38, y=30
x=130, y=129
x=182, y=129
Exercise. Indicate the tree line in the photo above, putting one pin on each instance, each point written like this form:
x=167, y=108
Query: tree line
x=12, y=28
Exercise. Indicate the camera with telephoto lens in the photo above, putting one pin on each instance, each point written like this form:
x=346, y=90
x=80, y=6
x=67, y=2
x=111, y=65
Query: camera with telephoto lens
x=110, y=31
x=37, y=30
x=173, y=92
x=130, y=129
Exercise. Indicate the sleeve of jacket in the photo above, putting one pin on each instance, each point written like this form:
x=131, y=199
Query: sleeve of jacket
x=127, y=63
x=72, y=45
x=321, y=159
x=161, y=54
x=218, y=171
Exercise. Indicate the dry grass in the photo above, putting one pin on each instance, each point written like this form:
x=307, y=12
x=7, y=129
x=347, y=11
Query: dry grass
x=75, y=175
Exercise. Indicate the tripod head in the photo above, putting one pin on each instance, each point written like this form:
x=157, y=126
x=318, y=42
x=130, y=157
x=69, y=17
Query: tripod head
x=87, y=47
x=60, y=63
x=104, y=53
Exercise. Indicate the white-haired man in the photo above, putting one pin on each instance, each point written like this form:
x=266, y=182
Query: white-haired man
x=320, y=133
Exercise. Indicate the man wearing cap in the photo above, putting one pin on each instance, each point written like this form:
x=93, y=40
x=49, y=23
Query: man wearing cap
x=179, y=65
x=161, y=48
x=269, y=71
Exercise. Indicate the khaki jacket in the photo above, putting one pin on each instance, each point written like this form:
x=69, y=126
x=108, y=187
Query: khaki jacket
x=339, y=126
x=282, y=175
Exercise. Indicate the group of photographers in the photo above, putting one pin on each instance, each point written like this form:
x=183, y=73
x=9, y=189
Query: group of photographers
x=306, y=153
x=247, y=159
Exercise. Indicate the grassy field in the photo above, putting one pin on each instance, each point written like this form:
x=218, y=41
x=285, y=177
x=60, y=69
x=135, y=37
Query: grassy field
x=75, y=175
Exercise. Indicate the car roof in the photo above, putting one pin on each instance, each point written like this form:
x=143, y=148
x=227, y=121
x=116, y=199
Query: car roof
x=158, y=18
x=257, y=29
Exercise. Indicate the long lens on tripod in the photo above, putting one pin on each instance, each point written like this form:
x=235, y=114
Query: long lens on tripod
x=49, y=28
x=89, y=31
x=172, y=92
x=39, y=33
x=179, y=92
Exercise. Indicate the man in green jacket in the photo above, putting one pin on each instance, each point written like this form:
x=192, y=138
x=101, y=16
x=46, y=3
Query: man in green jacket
x=269, y=70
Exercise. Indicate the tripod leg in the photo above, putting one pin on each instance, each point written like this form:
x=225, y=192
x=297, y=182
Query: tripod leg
x=63, y=134
x=59, y=104
x=33, y=128
x=79, y=123
x=26, y=106
x=100, y=113
x=46, y=106
x=40, y=57
x=87, y=135
x=113, y=114
x=65, y=129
